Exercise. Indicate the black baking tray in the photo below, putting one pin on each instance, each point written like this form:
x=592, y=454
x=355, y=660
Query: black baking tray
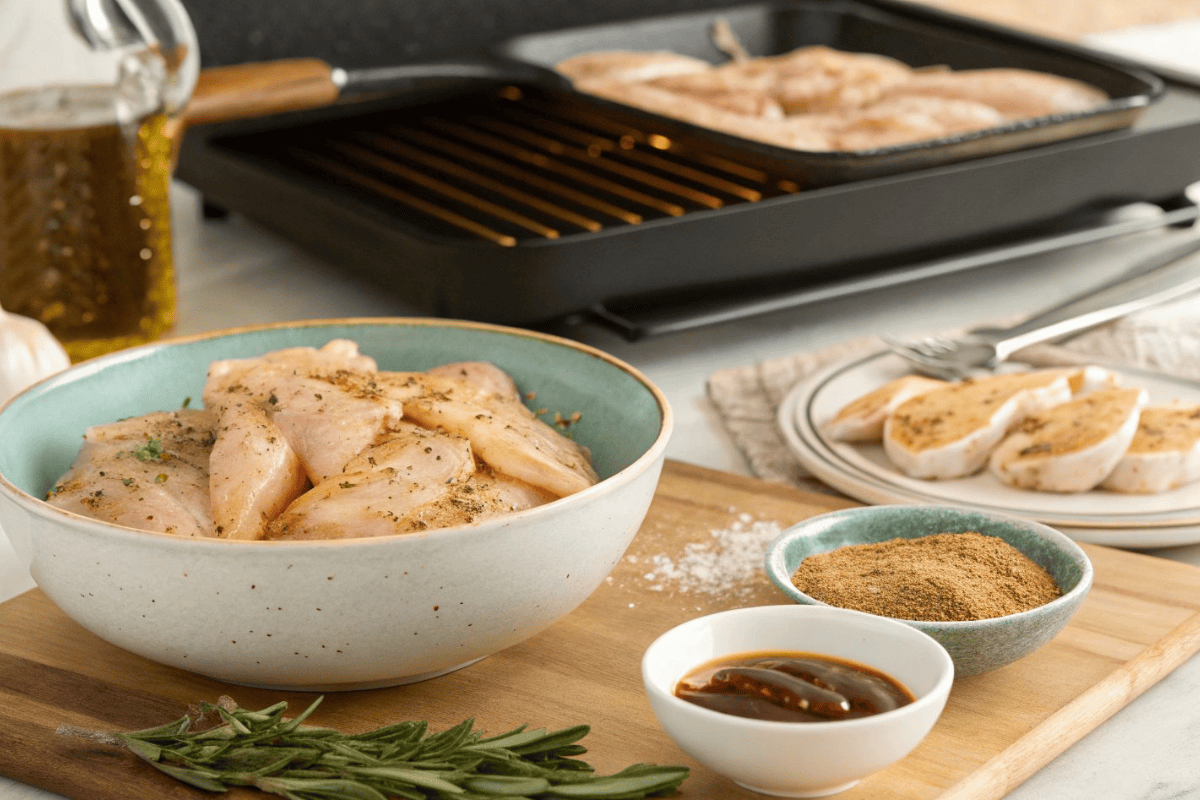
x=901, y=32
x=882, y=215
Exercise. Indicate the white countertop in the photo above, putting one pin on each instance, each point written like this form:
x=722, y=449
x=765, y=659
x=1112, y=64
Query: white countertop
x=231, y=273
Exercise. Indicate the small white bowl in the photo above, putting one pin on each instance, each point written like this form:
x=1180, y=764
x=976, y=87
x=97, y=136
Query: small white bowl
x=798, y=759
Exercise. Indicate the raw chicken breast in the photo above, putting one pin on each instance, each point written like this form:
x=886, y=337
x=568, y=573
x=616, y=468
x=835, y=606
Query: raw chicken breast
x=627, y=66
x=949, y=432
x=904, y=120
x=800, y=133
x=1071, y=447
x=380, y=489
x=1164, y=453
x=503, y=433
x=148, y=472
x=861, y=420
x=325, y=401
x=1015, y=93
x=819, y=78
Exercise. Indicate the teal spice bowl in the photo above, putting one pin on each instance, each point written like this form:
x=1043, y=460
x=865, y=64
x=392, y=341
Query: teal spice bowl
x=976, y=646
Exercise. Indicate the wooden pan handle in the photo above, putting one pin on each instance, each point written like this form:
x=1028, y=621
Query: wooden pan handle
x=252, y=90
x=241, y=91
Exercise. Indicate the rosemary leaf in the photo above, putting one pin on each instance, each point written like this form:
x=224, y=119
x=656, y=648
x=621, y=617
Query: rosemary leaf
x=265, y=750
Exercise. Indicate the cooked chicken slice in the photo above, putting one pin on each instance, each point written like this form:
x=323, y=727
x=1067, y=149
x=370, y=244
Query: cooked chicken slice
x=504, y=434
x=949, y=432
x=325, y=401
x=1164, y=453
x=1015, y=93
x=254, y=472
x=380, y=488
x=628, y=66
x=1071, y=447
x=148, y=472
x=861, y=420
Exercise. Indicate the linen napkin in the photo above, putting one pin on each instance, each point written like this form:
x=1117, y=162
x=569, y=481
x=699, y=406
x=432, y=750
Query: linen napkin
x=1164, y=339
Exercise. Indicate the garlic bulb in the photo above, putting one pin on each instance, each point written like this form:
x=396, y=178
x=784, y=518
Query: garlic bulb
x=28, y=353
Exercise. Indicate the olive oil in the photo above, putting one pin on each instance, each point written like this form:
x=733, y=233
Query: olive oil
x=85, y=243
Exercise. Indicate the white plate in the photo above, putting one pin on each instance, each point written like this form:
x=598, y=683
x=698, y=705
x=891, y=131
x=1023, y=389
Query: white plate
x=864, y=472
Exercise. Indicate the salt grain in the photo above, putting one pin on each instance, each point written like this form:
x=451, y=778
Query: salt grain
x=727, y=563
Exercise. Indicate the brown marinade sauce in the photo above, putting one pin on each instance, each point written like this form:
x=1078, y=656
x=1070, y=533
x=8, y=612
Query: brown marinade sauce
x=792, y=687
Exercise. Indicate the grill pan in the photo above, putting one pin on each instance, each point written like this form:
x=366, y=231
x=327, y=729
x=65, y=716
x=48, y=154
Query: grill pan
x=523, y=203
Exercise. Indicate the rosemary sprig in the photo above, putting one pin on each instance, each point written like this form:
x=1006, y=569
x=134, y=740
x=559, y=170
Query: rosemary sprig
x=268, y=751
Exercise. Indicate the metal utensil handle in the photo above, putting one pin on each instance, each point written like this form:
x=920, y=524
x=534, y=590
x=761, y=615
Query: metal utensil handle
x=1155, y=281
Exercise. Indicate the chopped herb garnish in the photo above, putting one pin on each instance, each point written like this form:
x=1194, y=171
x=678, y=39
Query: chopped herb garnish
x=152, y=450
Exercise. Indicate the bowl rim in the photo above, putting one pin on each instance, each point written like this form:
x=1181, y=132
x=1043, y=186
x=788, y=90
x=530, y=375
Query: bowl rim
x=773, y=563
x=656, y=451
x=935, y=696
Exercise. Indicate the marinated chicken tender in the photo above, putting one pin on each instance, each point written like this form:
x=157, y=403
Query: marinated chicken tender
x=504, y=433
x=1071, y=447
x=148, y=472
x=378, y=491
x=307, y=443
x=628, y=65
x=1164, y=453
x=325, y=401
x=1015, y=93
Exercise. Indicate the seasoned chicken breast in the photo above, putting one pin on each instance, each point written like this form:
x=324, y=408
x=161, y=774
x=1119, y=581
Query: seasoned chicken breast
x=148, y=472
x=1071, y=447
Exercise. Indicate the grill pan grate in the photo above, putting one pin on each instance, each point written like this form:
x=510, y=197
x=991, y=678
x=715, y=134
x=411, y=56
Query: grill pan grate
x=513, y=166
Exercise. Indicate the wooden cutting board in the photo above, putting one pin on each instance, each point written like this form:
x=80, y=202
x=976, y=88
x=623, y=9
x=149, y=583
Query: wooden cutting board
x=1140, y=621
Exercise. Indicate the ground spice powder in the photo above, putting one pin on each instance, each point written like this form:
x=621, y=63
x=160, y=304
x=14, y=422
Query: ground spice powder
x=940, y=577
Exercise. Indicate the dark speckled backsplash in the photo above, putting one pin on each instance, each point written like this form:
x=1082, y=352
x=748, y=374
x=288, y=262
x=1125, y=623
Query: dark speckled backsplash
x=363, y=33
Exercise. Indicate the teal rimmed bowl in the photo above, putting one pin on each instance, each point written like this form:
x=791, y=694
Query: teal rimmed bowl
x=346, y=614
x=976, y=646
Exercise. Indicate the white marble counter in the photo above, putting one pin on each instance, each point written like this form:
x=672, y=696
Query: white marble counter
x=231, y=273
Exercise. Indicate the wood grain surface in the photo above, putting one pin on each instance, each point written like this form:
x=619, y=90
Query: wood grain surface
x=1140, y=621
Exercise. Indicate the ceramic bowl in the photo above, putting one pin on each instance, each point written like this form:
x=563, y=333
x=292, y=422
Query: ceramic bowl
x=976, y=646
x=328, y=615
x=798, y=759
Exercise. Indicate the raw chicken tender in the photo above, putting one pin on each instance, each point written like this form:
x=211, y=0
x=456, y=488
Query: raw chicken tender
x=254, y=473
x=627, y=66
x=1071, y=447
x=1164, y=454
x=861, y=420
x=503, y=432
x=949, y=432
x=380, y=489
x=903, y=120
x=148, y=472
x=1015, y=93
x=325, y=402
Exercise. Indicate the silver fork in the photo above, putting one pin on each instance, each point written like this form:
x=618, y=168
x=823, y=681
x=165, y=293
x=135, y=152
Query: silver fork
x=1157, y=280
